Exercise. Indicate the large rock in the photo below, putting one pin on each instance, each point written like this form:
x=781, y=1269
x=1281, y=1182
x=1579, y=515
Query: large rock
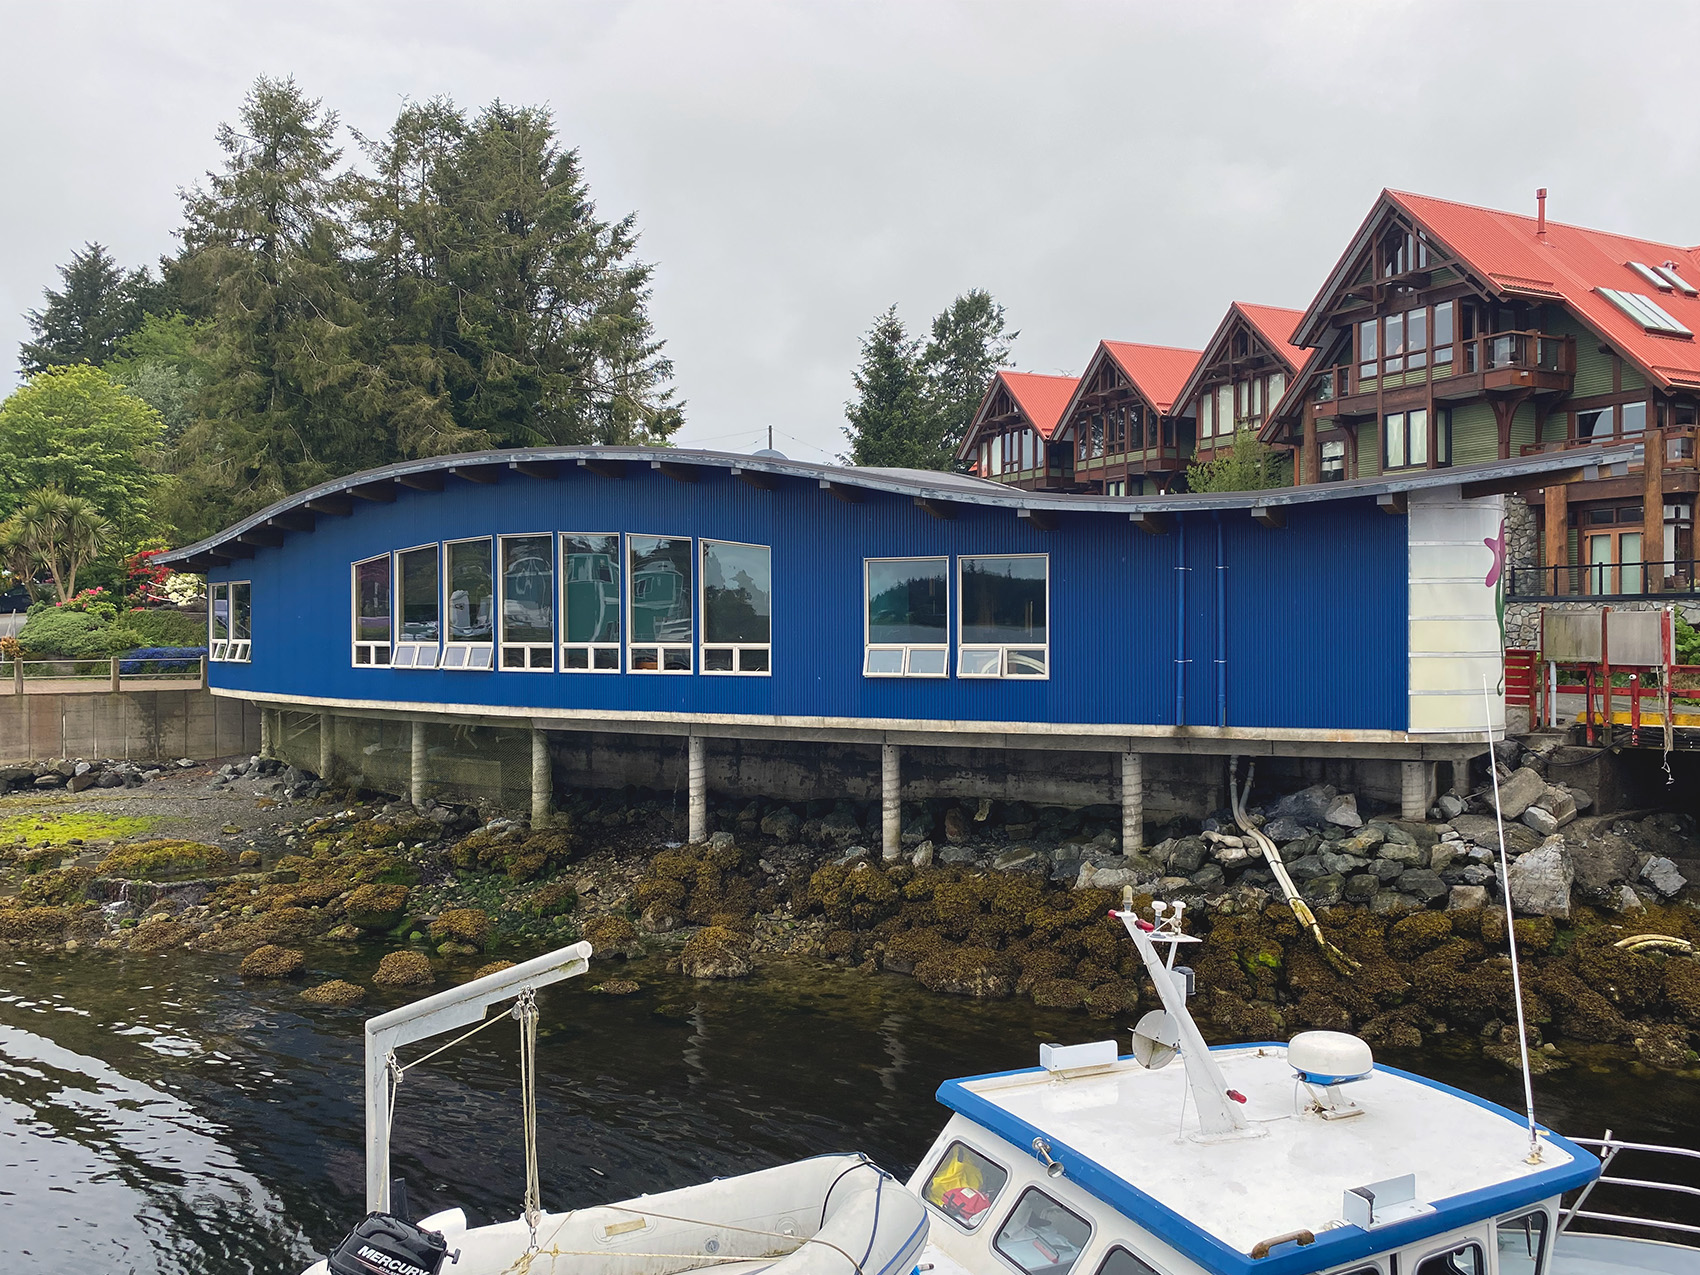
x=1422, y=883
x=272, y=961
x=376, y=907
x=716, y=952
x=1482, y=830
x=1361, y=888
x=1188, y=855
x=1284, y=829
x=1540, y=881
x=1466, y=897
x=782, y=825
x=1325, y=891
x=1364, y=840
x=1518, y=793
x=1559, y=804
x=1661, y=874
x=1408, y=855
x=1307, y=807
x=404, y=969
x=1343, y=812
x=1449, y=806
x=1602, y=862
x=1540, y=820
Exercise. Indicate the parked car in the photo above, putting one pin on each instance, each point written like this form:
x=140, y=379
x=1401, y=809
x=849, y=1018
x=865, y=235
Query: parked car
x=14, y=600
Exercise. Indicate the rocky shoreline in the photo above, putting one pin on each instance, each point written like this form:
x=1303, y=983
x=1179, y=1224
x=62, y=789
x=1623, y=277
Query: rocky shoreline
x=988, y=900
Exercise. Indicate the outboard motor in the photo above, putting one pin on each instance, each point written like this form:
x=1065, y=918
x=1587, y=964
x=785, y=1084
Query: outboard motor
x=384, y=1244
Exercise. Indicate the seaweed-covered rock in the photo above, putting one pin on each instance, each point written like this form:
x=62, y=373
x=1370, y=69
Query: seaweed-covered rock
x=339, y=992
x=376, y=907
x=1411, y=936
x=404, y=969
x=1059, y=993
x=492, y=967
x=612, y=937
x=37, y=924
x=557, y=898
x=272, y=961
x=162, y=860
x=467, y=926
x=716, y=952
x=1682, y=989
x=617, y=987
x=968, y=971
x=156, y=933
x=55, y=887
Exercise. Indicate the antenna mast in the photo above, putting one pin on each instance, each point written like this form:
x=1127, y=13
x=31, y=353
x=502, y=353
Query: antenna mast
x=1511, y=933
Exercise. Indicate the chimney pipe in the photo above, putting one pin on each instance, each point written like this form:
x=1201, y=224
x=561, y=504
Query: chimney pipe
x=1541, y=212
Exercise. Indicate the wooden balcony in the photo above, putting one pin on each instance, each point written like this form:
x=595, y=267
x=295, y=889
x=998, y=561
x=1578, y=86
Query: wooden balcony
x=1494, y=363
x=1681, y=446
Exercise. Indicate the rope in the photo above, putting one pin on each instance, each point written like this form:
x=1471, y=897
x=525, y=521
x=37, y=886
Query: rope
x=525, y=1010
x=1333, y=955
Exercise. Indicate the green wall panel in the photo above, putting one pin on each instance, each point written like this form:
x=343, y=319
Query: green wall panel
x=1475, y=438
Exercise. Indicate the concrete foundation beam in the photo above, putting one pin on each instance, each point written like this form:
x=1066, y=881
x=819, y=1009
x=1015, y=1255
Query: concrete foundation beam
x=696, y=768
x=418, y=770
x=1416, y=789
x=1133, y=803
x=891, y=802
x=327, y=746
x=542, y=776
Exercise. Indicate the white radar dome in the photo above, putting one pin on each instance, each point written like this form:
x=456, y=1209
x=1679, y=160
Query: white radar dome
x=1330, y=1058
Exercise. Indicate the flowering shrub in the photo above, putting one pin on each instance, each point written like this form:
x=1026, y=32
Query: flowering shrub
x=145, y=579
x=95, y=602
x=181, y=587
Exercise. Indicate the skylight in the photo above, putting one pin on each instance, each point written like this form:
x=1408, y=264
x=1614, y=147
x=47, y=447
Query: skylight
x=1668, y=270
x=1645, y=311
x=1650, y=275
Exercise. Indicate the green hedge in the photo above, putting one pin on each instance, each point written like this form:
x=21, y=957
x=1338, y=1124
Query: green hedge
x=78, y=635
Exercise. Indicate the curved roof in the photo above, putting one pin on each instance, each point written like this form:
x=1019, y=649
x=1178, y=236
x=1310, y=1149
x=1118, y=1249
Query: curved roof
x=296, y=513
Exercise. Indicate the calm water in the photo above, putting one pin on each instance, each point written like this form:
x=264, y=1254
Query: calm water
x=156, y=1115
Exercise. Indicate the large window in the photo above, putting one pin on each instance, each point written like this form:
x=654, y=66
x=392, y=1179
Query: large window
x=471, y=605
x=1522, y=1241
x=590, y=603
x=907, y=617
x=229, y=636
x=372, y=611
x=965, y=1186
x=737, y=608
x=528, y=603
x=1409, y=340
x=659, y=631
x=1042, y=1236
x=1404, y=440
x=419, y=606
x=1004, y=616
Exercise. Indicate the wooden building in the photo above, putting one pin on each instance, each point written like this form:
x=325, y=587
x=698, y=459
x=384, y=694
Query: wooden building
x=1011, y=437
x=1450, y=336
x=1121, y=431
x=1244, y=371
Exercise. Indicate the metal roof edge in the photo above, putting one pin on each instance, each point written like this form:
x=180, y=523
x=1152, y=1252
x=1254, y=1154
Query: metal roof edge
x=951, y=488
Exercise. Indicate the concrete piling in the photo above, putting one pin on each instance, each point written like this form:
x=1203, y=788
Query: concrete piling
x=417, y=770
x=327, y=747
x=891, y=803
x=268, y=733
x=697, y=769
x=1416, y=789
x=1133, y=803
x=542, y=775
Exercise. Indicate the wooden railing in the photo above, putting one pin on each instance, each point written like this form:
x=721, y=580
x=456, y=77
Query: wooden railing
x=1682, y=444
x=119, y=673
x=1525, y=351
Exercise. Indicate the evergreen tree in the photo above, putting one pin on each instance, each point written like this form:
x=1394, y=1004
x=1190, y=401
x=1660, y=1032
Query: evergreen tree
x=889, y=421
x=99, y=306
x=164, y=364
x=263, y=264
x=1251, y=465
x=969, y=344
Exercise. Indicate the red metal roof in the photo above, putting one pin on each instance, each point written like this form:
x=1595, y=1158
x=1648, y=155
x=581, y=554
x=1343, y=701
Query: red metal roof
x=1157, y=371
x=1569, y=263
x=1041, y=398
x=1276, y=323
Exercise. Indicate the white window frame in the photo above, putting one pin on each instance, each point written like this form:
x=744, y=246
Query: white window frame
x=468, y=657
x=908, y=650
x=539, y=657
x=661, y=649
x=356, y=646
x=1034, y=1188
x=1007, y=650
x=590, y=649
x=737, y=649
x=414, y=655
x=229, y=649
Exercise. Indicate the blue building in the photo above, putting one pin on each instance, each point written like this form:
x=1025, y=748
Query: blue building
x=741, y=603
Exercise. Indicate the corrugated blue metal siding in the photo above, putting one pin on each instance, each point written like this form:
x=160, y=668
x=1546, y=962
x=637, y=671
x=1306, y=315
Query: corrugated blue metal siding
x=1316, y=628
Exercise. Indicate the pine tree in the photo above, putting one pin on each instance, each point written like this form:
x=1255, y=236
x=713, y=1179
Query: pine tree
x=263, y=263
x=969, y=344
x=889, y=421
x=99, y=306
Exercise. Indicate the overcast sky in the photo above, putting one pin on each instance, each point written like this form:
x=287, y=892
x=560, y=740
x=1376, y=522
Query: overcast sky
x=1106, y=170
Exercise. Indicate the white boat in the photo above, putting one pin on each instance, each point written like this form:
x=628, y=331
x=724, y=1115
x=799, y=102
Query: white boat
x=1302, y=1158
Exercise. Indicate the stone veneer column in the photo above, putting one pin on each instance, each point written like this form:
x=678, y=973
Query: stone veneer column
x=891, y=803
x=697, y=770
x=1133, y=803
x=542, y=778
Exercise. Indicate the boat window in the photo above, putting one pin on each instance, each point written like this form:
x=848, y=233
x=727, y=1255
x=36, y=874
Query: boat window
x=1121, y=1262
x=1042, y=1237
x=1522, y=1243
x=1466, y=1259
x=965, y=1185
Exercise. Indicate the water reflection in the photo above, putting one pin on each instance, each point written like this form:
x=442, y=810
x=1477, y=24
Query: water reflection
x=158, y=1116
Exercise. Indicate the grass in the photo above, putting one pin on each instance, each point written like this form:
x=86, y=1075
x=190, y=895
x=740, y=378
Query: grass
x=55, y=828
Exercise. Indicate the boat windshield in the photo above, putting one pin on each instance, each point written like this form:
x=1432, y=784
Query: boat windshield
x=1464, y=1260
x=1042, y=1237
x=1522, y=1243
x=965, y=1185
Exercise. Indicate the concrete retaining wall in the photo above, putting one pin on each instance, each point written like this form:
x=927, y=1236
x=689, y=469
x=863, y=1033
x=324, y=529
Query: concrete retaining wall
x=140, y=724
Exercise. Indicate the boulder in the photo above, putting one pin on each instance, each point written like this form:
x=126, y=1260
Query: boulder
x=716, y=952
x=1602, y=862
x=1540, y=880
x=1307, y=807
x=1187, y=856
x=1466, y=897
x=1093, y=878
x=404, y=969
x=1584, y=800
x=923, y=856
x=782, y=825
x=337, y=991
x=1308, y=868
x=1342, y=812
x=1283, y=829
x=1209, y=877
x=955, y=825
x=1325, y=891
x=376, y=907
x=1361, y=888
x=272, y=961
x=1387, y=871
x=1344, y=864
x=1408, y=855
x=1540, y=820
x=1364, y=840
x=1559, y=804
x=1483, y=831
x=466, y=927
x=1449, y=807
x=1016, y=858
x=1523, y=789
x=1422, y=883
x=1623, y=898
x=1660, y=873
